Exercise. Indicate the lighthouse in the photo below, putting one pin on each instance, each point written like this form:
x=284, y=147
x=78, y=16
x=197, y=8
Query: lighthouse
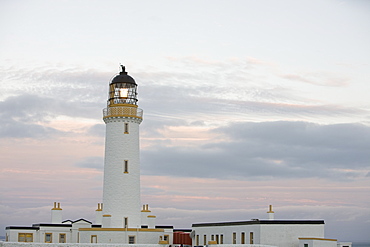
x=121, y=188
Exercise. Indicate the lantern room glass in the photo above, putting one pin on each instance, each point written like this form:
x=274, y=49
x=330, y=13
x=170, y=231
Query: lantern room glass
x=122, y=93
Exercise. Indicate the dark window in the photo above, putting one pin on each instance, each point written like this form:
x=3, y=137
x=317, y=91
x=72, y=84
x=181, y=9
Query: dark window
x=125, y=168
x=131, y=239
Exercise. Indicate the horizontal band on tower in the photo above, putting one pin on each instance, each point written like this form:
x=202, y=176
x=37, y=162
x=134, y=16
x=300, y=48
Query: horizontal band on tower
x=123, y=111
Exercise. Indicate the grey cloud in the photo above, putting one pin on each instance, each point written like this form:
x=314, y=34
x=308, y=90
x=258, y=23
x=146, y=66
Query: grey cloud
x=21, y=115
x=16, y=129
x=199, y=101
x=82, y=93
x=97, y=130
x=269, y=150
x=92, y=162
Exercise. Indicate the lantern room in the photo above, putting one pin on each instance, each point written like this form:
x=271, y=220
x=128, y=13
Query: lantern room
x=122, y=90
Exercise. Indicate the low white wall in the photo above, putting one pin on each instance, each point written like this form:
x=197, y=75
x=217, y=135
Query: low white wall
x=240, y=245
x=17, y=244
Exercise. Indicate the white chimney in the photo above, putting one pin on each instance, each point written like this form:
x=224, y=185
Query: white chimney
x=56, y=214
x=270, y=213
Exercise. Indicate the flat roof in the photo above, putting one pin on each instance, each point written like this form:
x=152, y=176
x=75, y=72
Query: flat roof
x=22, y=228
x=261, y=222
x=52, y=225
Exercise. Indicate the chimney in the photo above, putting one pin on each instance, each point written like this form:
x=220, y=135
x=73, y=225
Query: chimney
x=56, y=214
x=270, y=213
x=99, y=214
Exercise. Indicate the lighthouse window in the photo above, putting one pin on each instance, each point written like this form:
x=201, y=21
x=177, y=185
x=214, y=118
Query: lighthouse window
x=126, y=128
x=234, y=237
x=125, y=168
x=125, y=224
x=123, y=92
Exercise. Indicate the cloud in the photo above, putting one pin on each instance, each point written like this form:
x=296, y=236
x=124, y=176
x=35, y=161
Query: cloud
x=20, y=117
x=267, y=150
x=27, y=116
x=318, y=78
x=91, y=162
x=97, y=130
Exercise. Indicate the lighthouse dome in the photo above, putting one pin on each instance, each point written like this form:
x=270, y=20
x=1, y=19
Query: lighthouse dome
x=123, y=77
x=122, y=89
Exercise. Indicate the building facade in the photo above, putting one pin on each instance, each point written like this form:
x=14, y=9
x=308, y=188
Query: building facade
x=120, y=218
x=257, y=232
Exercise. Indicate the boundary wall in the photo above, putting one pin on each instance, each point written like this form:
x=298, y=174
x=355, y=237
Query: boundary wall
x=20, y=244
x=240, y=245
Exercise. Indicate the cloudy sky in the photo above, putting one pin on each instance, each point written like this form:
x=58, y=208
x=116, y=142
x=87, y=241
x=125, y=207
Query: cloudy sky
x=246, y=103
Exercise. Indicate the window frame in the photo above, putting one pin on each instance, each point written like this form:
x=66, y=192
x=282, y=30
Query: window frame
x=130, y=237
x=46, y=236
x=125, y=222
x=25, y=237
x=251, y=238
x=94, y=239
x=242, y=238
x=125, y=166
x=126, y=129
x=64, y=236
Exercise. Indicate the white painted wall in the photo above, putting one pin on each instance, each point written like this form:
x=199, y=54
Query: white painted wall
x=286, y=235
x=12, y=244
x=13, y=234
x=282, y=235
x=227, y=232
x=121, y=191
x=317, y=243
x=118, y=236
x=39, y=235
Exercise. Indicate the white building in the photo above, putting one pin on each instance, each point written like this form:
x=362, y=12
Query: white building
x=269, y=232
x=120, y=219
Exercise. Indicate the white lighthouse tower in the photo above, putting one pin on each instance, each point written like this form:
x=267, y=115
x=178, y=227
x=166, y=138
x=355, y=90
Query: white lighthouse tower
x=121, y=191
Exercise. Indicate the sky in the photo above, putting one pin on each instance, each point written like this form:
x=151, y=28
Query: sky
x=246, y=104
